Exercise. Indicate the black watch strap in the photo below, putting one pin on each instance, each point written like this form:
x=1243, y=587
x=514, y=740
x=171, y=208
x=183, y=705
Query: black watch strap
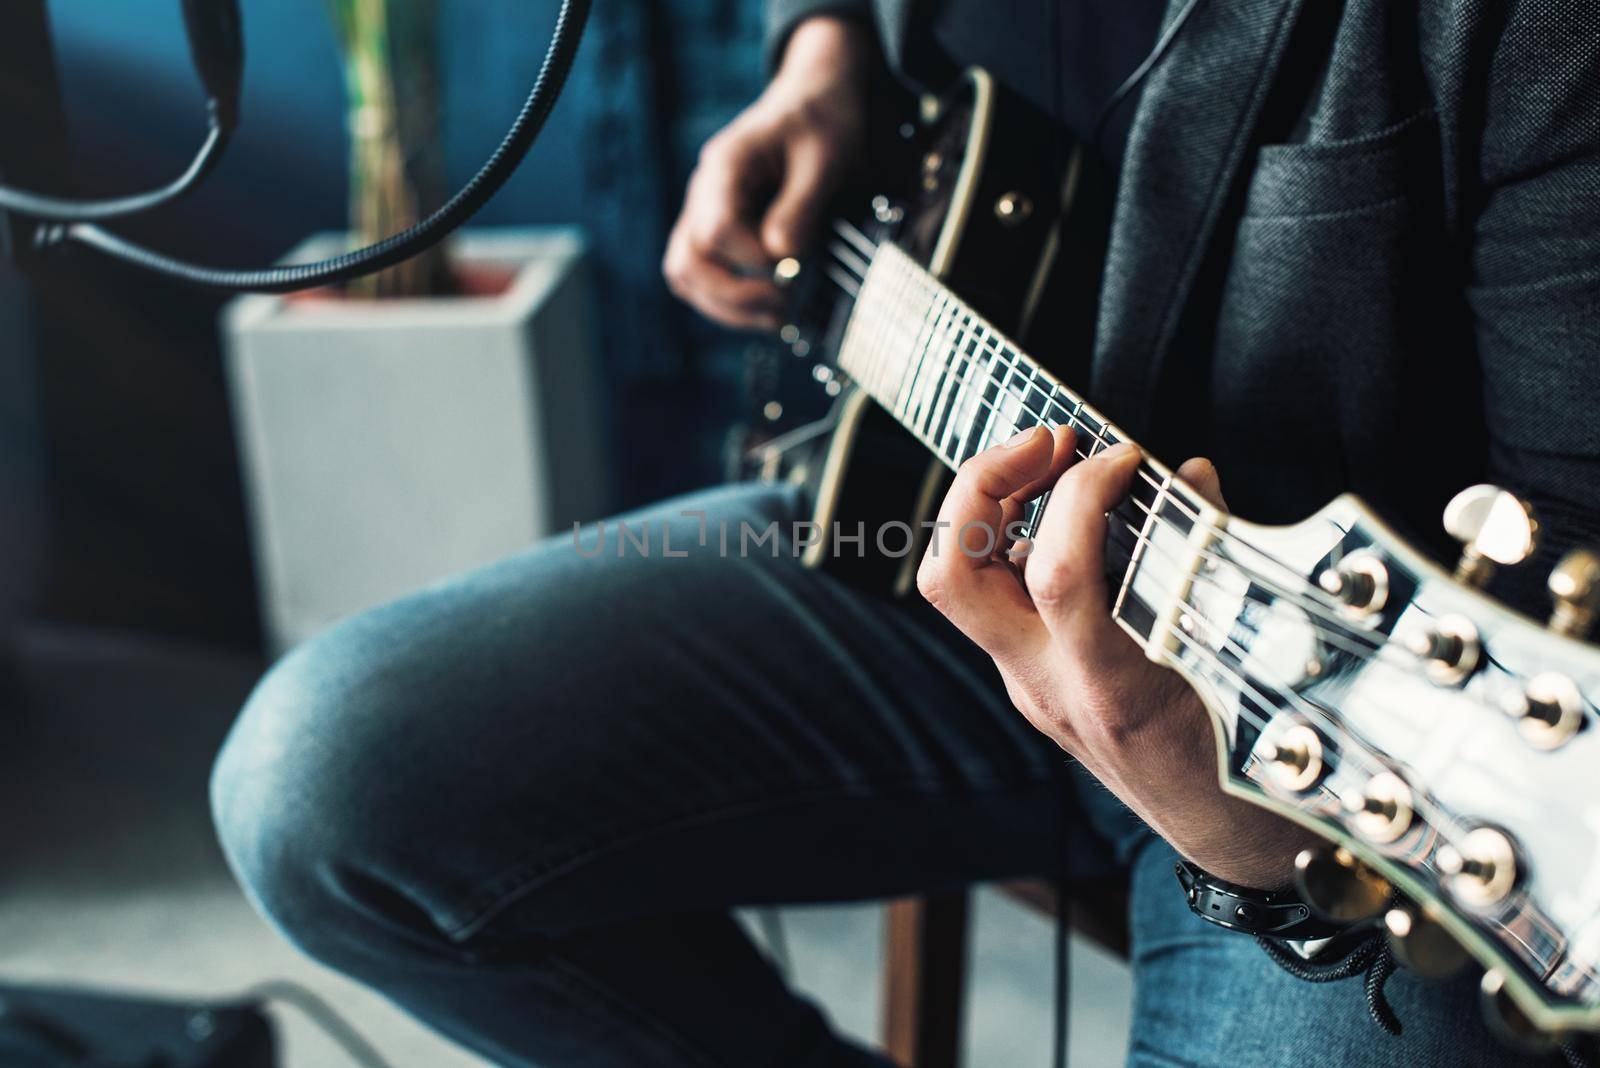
x=1267, y=913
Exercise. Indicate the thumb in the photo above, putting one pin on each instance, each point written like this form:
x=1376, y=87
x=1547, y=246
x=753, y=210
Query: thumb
x=1202, y=475
x=793, y=215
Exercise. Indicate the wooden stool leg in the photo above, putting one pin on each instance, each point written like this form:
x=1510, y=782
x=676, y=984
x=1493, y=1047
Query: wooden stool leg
x=925, y=979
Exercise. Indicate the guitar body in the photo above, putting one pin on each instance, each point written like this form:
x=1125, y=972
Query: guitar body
x=1000, y=208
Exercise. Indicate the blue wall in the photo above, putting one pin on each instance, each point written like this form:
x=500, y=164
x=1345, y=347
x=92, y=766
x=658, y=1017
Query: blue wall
x=142, y=503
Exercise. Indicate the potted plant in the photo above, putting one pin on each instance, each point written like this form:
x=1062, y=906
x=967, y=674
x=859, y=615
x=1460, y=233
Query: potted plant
x=392, y=111
x=428, y=418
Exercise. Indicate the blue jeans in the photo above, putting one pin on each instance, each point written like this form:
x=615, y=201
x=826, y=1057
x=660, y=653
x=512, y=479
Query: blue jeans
x=521, y=803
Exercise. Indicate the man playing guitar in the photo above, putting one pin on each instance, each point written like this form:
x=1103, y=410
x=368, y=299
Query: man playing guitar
x=521, y=803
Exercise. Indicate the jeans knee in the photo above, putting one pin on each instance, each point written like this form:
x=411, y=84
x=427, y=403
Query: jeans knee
x=288, y=789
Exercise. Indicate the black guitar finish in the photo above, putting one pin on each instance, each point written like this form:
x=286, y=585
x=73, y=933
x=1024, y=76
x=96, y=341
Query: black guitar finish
x=998, y=206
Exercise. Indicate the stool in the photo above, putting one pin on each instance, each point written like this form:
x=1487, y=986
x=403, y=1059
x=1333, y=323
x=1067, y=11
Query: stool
x=925, y=958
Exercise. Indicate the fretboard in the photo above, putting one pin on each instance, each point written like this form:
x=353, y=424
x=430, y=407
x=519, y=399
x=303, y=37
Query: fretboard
x=958, y=384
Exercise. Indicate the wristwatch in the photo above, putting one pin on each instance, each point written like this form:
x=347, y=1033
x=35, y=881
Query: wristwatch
x=1268, y=913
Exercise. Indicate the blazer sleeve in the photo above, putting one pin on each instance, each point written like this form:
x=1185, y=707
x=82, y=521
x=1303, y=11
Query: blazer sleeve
x=1533, y=287
x=784, y=15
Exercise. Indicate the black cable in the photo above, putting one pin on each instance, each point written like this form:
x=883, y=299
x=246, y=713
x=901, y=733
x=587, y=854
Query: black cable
x=392, y=250
x=216, y=45
x=1141, y=72
x=1378, y=973
x=1063, y=976
x=68, y=210
x=321, y=1014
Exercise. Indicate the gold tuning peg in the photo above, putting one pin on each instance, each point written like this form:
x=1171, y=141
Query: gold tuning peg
x=1339, y=887
x=1575, y=585
x=1507, y=1020
x=1422, y=944
x=1495, y=527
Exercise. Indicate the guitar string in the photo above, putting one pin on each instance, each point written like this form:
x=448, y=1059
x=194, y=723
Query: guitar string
x=1349, y=746
x=958, y=402
x=1334, y=635
x=1363, y=758
x=1315, y=610
x=1327, y=608
x=1074, y=419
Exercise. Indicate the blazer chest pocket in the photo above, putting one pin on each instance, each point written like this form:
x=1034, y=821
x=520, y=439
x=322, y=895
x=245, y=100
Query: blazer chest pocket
x=1330, y=178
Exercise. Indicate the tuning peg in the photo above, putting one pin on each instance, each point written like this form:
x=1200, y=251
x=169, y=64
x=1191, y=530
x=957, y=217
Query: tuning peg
x=1383, y=808
x=1495, y=527
x=1294, y=757
x=1548, y=710
x=1481, y=869
x=1339, y=887
x=1359, y=582
x=1448, y=647
x=1507, y=1020
x=1422, y=944
x=1575, y=585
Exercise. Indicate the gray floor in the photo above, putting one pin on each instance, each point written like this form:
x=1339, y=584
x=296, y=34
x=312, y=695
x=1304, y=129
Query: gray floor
x=113, y=879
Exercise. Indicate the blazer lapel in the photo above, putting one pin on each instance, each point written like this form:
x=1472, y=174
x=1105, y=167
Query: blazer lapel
x=1189, y=135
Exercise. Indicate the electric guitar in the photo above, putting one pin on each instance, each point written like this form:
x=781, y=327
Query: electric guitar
x=1446, y=746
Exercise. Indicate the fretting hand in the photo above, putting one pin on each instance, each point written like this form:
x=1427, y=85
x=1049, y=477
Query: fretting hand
x=1070, y=669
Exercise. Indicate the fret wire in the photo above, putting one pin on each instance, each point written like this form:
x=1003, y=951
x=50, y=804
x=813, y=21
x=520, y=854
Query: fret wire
x=987, y=439
x=895, y=368
x=863, y=332
x=972, y=436
x=920, y=346
x=904, y=266
x=967, y=340
x=929, y=367
x=966, y=361
x=1077, y=416
x=983, y=440
x=890, y=329
x=960, y=396
x=963, y=327
x=961, y=400
x=977, y=423
x=886, y=330
x=945, y=380
x=958, y=401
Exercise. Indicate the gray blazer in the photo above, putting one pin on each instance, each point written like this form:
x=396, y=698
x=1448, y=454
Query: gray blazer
x=1357, y=247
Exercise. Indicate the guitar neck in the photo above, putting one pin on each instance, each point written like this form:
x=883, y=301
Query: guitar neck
x=960, y=386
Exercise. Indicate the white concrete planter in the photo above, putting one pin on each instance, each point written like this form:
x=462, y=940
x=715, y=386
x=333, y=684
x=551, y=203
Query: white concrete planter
x=386, y=444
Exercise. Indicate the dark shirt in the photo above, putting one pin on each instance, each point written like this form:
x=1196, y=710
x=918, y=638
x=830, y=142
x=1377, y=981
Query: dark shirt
x=1098, y=43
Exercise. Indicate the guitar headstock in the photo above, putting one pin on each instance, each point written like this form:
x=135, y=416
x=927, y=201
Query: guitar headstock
x=1447, y=741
